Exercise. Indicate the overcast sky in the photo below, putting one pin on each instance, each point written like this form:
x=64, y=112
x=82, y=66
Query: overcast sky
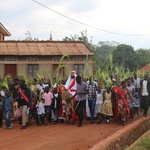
x=123, y=21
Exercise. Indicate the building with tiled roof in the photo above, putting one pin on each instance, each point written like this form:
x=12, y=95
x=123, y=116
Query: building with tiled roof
x=28, y=57
x=146, y=68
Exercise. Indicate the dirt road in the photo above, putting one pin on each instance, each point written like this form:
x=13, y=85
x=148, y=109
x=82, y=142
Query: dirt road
x=57, y=137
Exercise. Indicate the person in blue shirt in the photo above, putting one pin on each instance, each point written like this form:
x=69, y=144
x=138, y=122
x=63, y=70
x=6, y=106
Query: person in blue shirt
x=7, y=105
x=92, y=88
x=136, y=102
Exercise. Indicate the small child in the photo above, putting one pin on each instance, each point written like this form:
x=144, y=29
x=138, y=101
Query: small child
x=33, y=110
x=55, y=103
x=64, y=111
x=7, y=104
x=136, y=102
x=107, y=105
x=40, y=112
x=17, y=113
x=40, y=108
x=1, y=111
x=47, y=97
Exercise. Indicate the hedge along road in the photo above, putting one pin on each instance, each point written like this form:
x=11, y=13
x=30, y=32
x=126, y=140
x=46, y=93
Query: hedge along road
x=57, y=137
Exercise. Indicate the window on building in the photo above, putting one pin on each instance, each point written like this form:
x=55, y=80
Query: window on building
x=79, y=68
x=11, y=58
x=32, y=58
x=78, y=58
x=32, y=70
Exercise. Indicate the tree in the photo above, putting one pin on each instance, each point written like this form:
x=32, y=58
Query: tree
x=102, y=54
x=125, y=55
x=143, y=57
x=108, y=43
x=81, y=38
x=29, y=37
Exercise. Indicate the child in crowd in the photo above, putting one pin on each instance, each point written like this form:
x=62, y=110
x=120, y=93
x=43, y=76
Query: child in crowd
x=40, y=108
x=136, y=102
x=33, y=110
x=107, y=105
x=55, y=103
x=17, y=113
x=7, y=104
x=99, y=103
x=40, y=112
x=47, y=97
x=63, y=111
x=1, y=111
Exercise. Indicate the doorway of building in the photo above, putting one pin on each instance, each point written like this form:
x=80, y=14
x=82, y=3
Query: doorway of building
x=11, y=69
x=61, y=71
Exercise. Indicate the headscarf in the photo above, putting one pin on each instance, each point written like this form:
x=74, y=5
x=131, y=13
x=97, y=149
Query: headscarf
x=70, y=82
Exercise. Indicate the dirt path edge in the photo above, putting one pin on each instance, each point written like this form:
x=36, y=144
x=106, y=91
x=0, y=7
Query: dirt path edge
x=124, y=137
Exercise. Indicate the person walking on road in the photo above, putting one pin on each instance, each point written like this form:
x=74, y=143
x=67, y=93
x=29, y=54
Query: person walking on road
x=82, y=90
x=145, y=95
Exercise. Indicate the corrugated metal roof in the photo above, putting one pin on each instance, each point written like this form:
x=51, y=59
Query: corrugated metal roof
x=43, y=48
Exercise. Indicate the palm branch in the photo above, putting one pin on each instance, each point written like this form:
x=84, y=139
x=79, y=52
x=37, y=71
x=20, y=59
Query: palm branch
x=23, y=76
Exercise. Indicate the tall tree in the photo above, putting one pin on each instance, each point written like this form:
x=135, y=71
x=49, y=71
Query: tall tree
x=102, y=54
x=124, y=55
x=143, y=57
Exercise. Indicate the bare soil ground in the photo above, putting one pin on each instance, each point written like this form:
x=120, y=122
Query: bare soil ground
x=57, y=137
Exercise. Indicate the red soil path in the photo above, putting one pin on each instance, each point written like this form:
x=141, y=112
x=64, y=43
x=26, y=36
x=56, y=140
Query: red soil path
x=57, y=137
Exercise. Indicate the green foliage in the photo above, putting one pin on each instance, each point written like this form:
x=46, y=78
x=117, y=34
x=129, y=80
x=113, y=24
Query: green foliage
x=124, y=55
x=102, y=76
x=5, y=84
x=25, y=77
x=56, y=74
x=143, y=144
x=143, y=57
x=102, y=55
x=53, y=76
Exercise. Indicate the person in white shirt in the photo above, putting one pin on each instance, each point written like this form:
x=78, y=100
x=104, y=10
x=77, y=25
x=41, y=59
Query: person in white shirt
x=137, y=82
x=145, y=94
x=99, y=103
x=40, y=111
x=40, y=86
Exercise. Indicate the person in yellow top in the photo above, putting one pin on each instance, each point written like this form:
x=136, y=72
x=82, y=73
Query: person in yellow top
x=107, y=105
x=34, y=85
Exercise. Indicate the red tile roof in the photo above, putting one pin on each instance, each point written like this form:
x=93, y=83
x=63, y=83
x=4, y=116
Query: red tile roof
x=145, y=68
x=43, y=48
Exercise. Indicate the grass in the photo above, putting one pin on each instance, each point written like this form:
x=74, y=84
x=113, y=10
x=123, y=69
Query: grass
x=142, y=144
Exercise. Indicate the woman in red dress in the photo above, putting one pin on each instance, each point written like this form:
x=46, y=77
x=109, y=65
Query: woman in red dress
x=120, y=105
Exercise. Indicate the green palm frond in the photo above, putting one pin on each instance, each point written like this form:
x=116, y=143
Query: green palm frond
x=56, y=74
x=5, y=82
x=111, y=61
x=39, y=76
x=23, y=76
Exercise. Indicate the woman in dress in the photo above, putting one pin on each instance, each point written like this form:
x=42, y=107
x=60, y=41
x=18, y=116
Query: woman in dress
x=107, y=105
x=123, y=106
x=99, y=103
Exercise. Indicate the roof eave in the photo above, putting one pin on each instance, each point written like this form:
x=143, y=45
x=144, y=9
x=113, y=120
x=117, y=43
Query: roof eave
x=4, y=31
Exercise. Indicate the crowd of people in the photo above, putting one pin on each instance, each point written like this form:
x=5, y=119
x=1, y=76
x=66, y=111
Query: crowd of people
x=73, y=101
